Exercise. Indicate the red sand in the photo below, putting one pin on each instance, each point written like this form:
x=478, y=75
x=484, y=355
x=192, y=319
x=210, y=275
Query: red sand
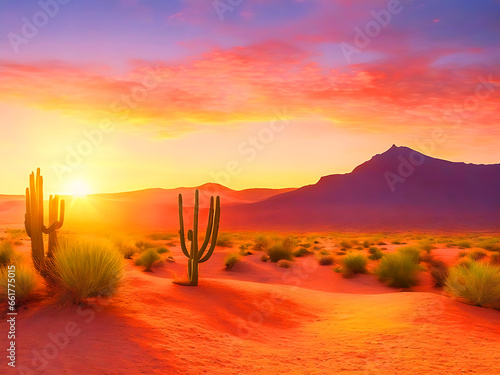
x=261, y=319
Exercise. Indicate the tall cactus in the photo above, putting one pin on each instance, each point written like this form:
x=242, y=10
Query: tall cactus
x=33, y=221
x=196, y=255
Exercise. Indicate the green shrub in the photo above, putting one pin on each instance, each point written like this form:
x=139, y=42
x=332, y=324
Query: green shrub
x=161, y=236
x=464, y=243
x=283, y=263
x=224, y=240
x=478, y=254
x=162, y=250
x=375, y=253
x=326, y=260
x=426, y=245
x=301, y=252
x=478, y=283
x=144, y=245
x=439, y=273
x=490, y=244
x=148, y=259
x=125, y=248
x=25, y=282
x=6, y=253
x=261, y=242
x=411, y=251
x=345, y=244
x=354, y=263
x=230, y=260
x=398, y=270
x=281, y=249
x=86, y=268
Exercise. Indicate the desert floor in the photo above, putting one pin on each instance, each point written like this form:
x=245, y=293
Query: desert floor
x=257, y=319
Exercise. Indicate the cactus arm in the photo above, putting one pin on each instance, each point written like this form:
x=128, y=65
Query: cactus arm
x=214, y=232
x=61, y=214
x=27, y=216
x=194, y=243
x=181, y=230
x=209, y=229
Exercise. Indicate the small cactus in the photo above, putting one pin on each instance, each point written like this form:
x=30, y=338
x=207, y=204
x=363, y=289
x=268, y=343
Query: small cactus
x=33, y=221
x=196, y=255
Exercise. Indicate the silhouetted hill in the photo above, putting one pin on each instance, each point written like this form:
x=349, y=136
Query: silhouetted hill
x=398, y=189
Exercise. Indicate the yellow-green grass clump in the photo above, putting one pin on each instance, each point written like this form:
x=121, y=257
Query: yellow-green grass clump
x=88, y=268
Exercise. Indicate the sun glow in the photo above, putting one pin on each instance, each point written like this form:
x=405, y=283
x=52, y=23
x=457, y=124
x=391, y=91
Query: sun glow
x=78, y=189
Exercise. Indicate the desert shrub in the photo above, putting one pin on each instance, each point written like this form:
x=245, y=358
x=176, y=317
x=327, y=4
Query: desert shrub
x=281, y=249
x=224, y=240
x=398, y=270
x=464, y=243
x=381, y=243
x=86, y=268
x=230, y=260
x=161, y=236
x=283, y=263
x=306, y=245
x=324, y=252
x=477, y=254
x=127, y=249
x=462, y=254
x=162, y=250
x=147, y=259
x=15, y=233
x=345, y=244
x=261, y=242
x=375, y=253
x=478, y=283
x=354, y=263
x=495, y=258
x=411, y=251
x=301, y=252
x=490, y=244
x=243, y=247
x=341, y=252
x=450, y=244
x=264, y=257
x=6, y=253
x=426, y=245
x=439, y=275
x=366, y=244
x=337, y=269
x=144, y=245
x=326, y=260
x=17, y=243
x=25, y=282
x=397, y=242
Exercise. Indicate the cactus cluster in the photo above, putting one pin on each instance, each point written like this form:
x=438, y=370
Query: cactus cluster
x=198, y=255
x=33, y=221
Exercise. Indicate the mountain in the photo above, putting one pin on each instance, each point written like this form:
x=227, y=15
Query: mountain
x=400, y=189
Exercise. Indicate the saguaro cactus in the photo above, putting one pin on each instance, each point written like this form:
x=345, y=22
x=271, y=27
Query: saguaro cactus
x=196, y=255
x=33, y=221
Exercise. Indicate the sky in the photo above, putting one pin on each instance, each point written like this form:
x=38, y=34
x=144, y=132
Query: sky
x=121, y=95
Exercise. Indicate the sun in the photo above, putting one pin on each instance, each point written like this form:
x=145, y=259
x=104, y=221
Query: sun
x=78, y=189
